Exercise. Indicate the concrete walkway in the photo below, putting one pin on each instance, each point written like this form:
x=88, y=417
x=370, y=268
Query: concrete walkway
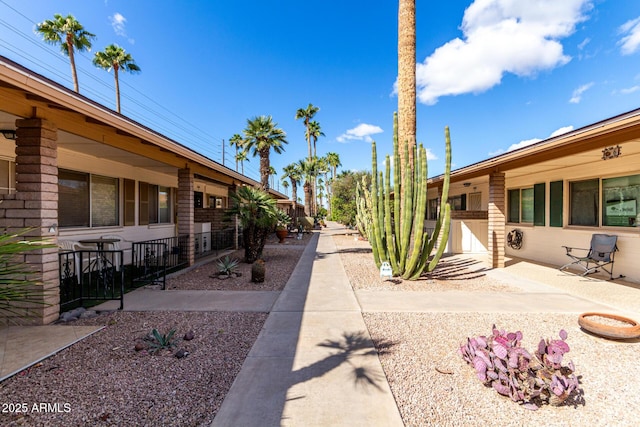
x=313, y=362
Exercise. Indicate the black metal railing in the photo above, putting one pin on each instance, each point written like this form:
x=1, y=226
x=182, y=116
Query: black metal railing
x=151, y=259
x=91, y=275
x=211, y=243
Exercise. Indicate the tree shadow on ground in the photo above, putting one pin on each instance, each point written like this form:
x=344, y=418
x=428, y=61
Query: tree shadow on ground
x=457, y=269
x=347, y=348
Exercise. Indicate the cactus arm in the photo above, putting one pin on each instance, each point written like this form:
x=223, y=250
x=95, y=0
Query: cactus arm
x=378, y=251
x=387, y=218
x=443, y=241
x=397, y=185
x=420, y=210
x=407, y=210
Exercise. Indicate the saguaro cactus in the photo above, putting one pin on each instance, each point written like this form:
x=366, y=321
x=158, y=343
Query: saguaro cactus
x=404, y=242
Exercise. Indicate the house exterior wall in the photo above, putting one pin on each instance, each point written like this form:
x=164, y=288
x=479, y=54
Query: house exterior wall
x=544, y=243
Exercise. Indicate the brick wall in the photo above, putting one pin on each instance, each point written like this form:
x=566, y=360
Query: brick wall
x=215, y=216
x=35, y=205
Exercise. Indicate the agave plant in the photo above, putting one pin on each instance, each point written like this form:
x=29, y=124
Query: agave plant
x=18, y=289
x=158, y=341
x=501, y=362
x=227, y=265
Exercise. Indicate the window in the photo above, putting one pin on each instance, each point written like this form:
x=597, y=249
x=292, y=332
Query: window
x=526, y=205
x=583, y=202
x=104, y=201
x=7, y=177
x=87, y=200
x=620, y=201
x=155, y=204
x=164, y=204
x=433, y=209
x=475, y=201
x=458, y=203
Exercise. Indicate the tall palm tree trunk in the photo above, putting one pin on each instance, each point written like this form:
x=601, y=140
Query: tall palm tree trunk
x=117, y=82
x=264, y=168
x=406, y=86
x=307, y=197
x=72, y=62
x=294, y=191
x=406, y=78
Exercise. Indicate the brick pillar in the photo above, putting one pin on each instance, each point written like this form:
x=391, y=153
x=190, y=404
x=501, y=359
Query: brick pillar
x=497, y=209
x=186, y=211
x=36, y=205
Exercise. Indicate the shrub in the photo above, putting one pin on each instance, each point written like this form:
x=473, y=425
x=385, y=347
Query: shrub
x=502, y=363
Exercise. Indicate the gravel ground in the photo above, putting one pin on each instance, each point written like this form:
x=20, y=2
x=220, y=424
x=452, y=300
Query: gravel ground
x=103, y=381
x=106, y=382
x=427, y=342
x=449, y=275
x=280, y=260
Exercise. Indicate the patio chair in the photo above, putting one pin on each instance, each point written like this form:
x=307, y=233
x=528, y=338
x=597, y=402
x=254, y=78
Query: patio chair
x=116, y=246
x=599, y=255
x=73, y=246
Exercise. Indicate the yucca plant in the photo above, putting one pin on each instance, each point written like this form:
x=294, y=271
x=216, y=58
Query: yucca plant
x=19, y=291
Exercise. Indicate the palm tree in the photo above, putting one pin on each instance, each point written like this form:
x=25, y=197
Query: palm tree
x=309, y=169
x=236, y=140
x=307, y=114
x=113, y=57
x=262, y=134
x=333, y=160
x=272, y=173
x=241, y=157
x=406, y=79
x=70, y=35
x=294, y=174
x=314, y=131
x=285, y=184
x=257, y=213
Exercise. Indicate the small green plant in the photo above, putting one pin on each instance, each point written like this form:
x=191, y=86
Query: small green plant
x=20, y=293
x=283, y=219
x=502, y=363
x=227, y=266
x=158, y=341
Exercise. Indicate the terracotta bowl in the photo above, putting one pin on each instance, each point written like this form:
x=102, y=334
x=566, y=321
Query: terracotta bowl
x=618, y=332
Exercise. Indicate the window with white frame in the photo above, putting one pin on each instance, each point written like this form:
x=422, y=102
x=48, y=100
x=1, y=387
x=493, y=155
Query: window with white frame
x=521, y=206
x=620, y=201
x=527, y=205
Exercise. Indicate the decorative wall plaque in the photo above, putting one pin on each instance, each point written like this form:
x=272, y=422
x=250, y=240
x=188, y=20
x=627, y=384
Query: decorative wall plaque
x=611, y=152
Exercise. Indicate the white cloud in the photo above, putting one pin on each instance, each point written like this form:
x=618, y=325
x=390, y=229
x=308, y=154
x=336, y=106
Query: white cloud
x=576, y=96
x=531, y=141
x=630, y=41
x=117, y=22
x=561, y=131
x=362, y=132
x=628, y=90
x=499, y=36
x=584, y=43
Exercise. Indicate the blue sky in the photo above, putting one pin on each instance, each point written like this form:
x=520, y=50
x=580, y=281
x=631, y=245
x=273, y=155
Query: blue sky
x=500, y=73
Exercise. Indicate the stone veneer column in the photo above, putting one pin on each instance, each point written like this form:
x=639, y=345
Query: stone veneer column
x=497, y=208
x=36, y=205
x=186, y=211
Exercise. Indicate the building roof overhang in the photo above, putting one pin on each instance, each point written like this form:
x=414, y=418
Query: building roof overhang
x=90, y=127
